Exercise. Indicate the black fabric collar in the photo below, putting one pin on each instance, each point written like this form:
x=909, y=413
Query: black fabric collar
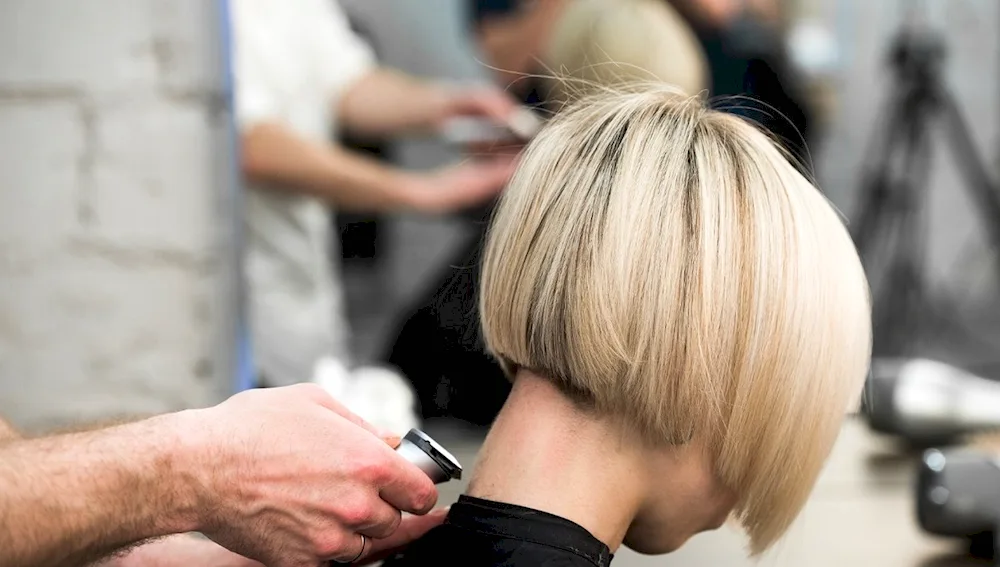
x=527, y=524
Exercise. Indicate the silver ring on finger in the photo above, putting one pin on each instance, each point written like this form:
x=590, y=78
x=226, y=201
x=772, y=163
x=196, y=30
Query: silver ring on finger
x=364, y=545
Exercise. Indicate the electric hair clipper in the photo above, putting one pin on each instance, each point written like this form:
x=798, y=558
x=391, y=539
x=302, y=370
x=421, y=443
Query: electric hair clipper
x=429, y=456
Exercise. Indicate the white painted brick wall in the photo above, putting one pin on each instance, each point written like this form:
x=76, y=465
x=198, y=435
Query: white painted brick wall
x=98, y=46
x=152, y=172
x=40, y=145
x=115, y=219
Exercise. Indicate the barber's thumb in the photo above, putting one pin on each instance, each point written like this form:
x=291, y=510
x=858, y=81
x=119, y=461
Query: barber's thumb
x=391, y=439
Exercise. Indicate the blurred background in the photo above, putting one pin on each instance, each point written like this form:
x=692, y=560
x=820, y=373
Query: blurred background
x=121, y=222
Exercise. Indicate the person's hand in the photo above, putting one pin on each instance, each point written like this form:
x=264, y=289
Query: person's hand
x=291, y=478
x=480, y=102
x=516, y=124
x=461, y=186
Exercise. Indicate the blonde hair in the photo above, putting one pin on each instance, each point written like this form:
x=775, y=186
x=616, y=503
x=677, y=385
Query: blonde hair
x=668, y=265
x=616, y=42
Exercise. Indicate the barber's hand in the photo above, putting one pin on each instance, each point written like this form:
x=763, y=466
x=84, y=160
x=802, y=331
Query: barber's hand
x=460, y=187
x=293, y=479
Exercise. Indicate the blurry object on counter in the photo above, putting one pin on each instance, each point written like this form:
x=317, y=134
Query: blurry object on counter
x=958, y=494
x=958, y=490
x=927, y=402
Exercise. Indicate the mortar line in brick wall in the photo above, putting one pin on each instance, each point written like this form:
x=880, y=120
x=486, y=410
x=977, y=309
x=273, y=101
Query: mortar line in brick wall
x=85, y=163
x=40, y=93
x=205, y=263
x=215, y=100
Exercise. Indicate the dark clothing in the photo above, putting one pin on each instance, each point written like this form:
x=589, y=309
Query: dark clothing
x=752, y=77
x=480, y=10
x=483, y=533
x=440, y=350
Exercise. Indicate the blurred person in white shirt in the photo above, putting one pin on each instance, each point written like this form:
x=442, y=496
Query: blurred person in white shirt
x=301, y=76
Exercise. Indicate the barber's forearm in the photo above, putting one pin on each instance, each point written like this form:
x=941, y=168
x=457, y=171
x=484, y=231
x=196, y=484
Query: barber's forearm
x=274, y=154
x=182, y=550
x=387, y=102
x=72, y=499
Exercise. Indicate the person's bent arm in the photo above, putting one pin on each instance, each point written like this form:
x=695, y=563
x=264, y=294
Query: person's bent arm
x=284, y=476
x=386, y=102
x=273, y=153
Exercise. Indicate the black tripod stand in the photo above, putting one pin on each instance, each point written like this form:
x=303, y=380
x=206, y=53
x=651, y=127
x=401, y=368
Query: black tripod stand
x=895, y=189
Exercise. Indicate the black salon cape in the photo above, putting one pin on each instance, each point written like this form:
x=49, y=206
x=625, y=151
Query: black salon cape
x=482, y=533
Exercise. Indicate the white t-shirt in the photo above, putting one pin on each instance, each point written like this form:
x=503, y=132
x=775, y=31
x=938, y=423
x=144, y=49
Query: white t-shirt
x=293, y=60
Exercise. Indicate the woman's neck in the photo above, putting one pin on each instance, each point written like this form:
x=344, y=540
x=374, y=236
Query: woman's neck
x=544, y=453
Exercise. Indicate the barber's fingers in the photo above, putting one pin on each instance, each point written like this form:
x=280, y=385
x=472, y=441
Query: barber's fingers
x=382, y=520
x=410, y=528
x=350, y=554
x=400, y=483
x=406, y=487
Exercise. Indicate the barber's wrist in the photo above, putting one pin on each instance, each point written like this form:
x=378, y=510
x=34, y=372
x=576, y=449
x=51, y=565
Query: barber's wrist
x=187, y=471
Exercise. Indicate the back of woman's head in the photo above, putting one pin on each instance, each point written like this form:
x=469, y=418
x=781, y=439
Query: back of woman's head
x=667, y=267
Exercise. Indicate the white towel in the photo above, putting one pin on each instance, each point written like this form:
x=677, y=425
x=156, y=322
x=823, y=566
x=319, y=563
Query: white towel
x=379, y=395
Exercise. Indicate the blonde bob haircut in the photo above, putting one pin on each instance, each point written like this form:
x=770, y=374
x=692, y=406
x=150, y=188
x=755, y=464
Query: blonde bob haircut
x=666, y=266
